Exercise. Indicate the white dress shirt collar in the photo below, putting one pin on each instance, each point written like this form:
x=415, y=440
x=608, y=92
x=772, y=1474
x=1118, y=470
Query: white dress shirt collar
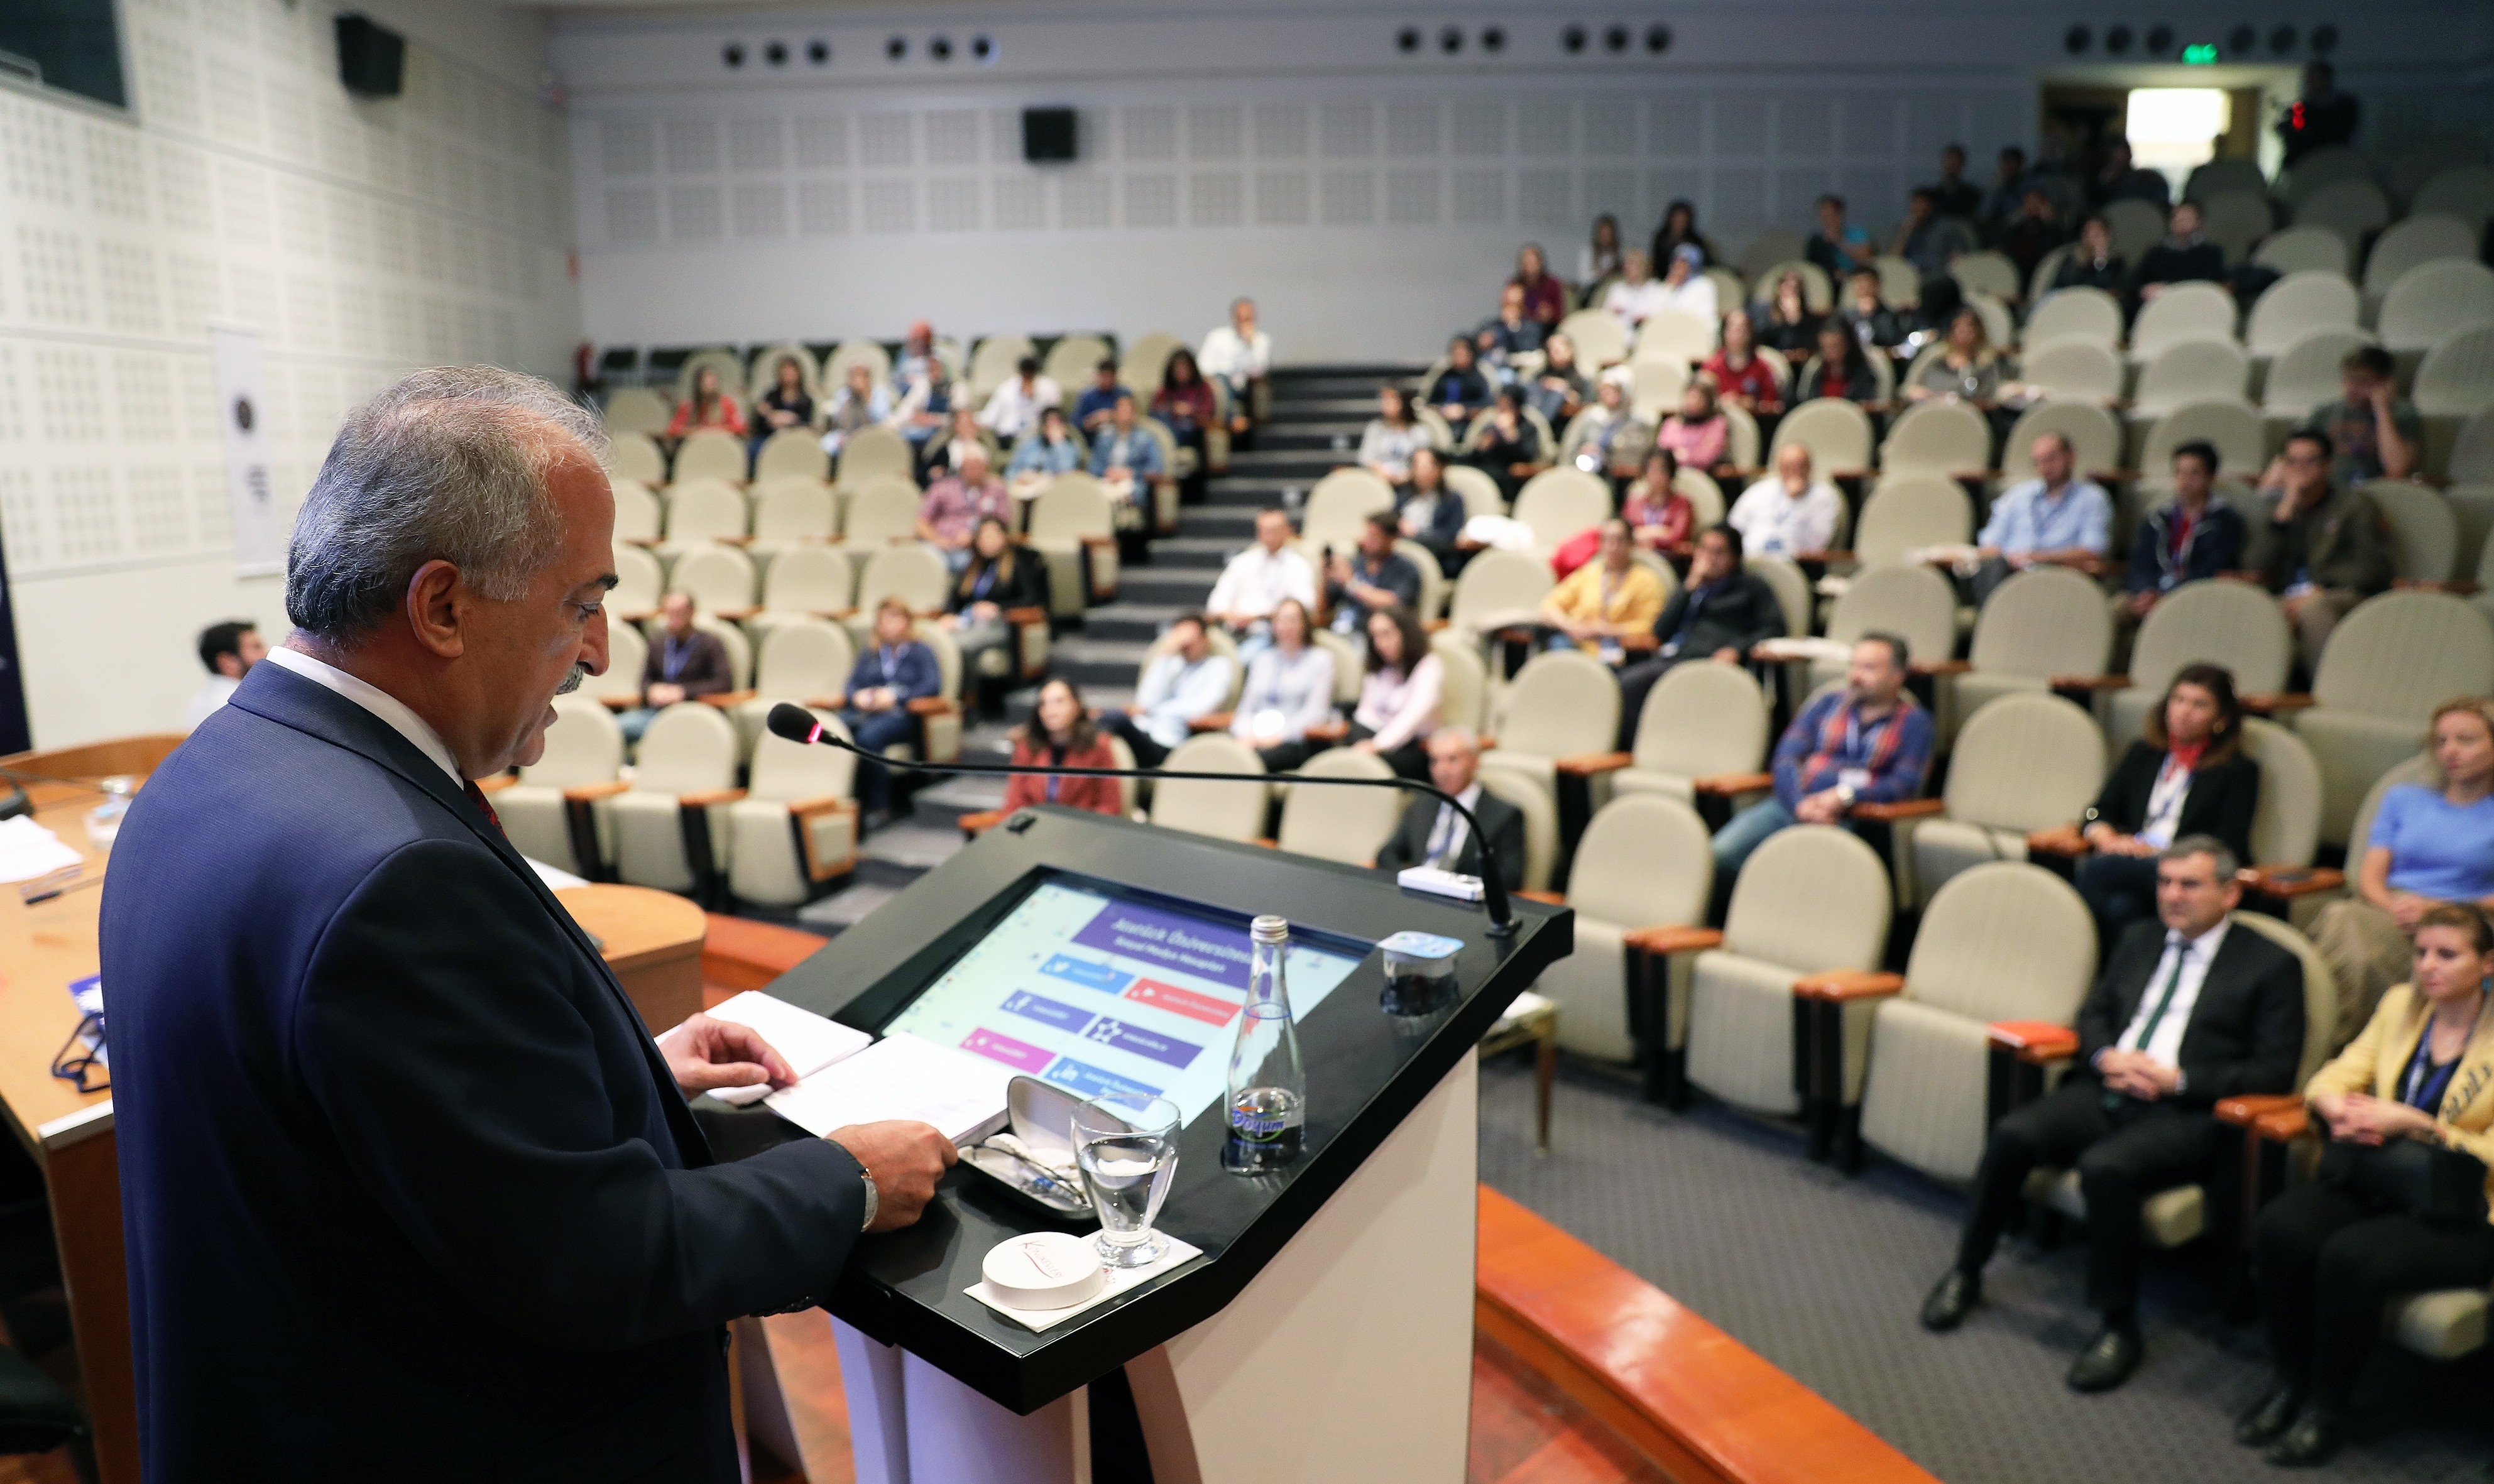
x=392, y=711
x=2165, y=1044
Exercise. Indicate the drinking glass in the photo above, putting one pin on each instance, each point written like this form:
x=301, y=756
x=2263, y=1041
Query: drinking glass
x=1127, y=1145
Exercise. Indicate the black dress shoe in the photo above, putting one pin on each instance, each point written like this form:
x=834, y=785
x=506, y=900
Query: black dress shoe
x=1951, y=1301
x=2270, y=1417
x=2108, y=1360
x=2316, y=1432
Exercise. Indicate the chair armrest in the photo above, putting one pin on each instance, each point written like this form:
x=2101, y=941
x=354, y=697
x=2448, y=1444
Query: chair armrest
x=636, y=618
x=2266, y=703
x=1548, y=898
x=496, y=783
x=1268, y=844
x=646, y=543
x=705, y=798
x=1330, y=731
x=728, y=699
x=1640, y=642
x=976, y=823
x=1724, y=785
x=1021, y=616
x=736, y=614
x=832, y=615
x=2284, y=1125
x=621, y=703
x=828, y=804
x=1434, y=625
x=932, y=705
x=1902, y=808
x=1830, y=556
x=2245, y=1111
x=1098, y=540
x=1214, y=721
x=733, y=540
x=1587, y=764
x=2091, y=682
x=1942, y=666
x=2034, y=1041
x=2062, y=841
x=1672, y=938
x=2288, y=882
x=1837, y=985
x=2457, y=586
x=589, y=793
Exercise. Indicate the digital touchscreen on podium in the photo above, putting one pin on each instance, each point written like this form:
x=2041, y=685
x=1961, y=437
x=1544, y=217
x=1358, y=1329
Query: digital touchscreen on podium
x=1099, y=992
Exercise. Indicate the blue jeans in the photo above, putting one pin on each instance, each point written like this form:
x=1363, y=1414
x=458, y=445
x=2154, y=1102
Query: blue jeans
x=635, y=723
x=1745, y=833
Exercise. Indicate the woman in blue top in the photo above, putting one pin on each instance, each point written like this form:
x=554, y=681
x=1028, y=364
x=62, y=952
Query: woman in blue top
x=2430, y=843
x=1044, y=453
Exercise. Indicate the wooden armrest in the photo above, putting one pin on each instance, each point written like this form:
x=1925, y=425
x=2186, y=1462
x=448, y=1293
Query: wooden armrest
x=2284, y=1126
x=1434, y=625
x=1267, y=844
x=726, y=700
x=1723, y=785
x=703, y=798
x=2091, y=682
x=735, y=614
x=1902, y=808
x=646, y=543
x=589, y=793
x=2244, y=574
x=1021, y=616
x=1942, y=666
x=2288, y=882
x=932, y=705
x=2455, y=586
x=2063, y=840
x=1099, y=540
x=1587, y=764
x=2244, y=1112
x=2034, y=1041
x=621, y=703
x=980, y=821
x=1216, y=721
x=828, y=804
x=637, y=618
x=834, y=614
x=496, y=783
x=2266, y=703
x=1837, y=985
x=1638, y=643
x=1551, y=898
x=733, y=540
x=1330, y=731
x=1672, y=938
x=1830, y=556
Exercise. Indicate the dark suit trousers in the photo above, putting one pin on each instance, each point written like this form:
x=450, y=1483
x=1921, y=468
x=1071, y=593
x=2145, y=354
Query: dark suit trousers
x=875, y=731
x=2329, y=1263
x=2124, y=1156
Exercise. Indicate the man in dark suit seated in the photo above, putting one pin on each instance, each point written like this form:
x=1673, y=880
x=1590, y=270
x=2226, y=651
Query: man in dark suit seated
x=2183, y=257
x=2189, y=1009
x=875, y=704
x=1433, y=835
x=685, y=664
x=1716, y=615
x=410, y=1192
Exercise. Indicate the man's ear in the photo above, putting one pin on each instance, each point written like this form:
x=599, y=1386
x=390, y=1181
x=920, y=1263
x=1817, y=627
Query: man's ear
x=437, y=609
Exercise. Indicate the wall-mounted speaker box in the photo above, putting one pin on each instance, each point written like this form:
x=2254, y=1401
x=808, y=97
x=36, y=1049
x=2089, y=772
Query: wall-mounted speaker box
x=1048, y=136
x=372, y=59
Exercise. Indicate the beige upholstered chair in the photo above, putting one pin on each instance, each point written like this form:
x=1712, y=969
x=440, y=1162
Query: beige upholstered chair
x=875, y=358
x=1348, y=824
x=583, y=748
x=640, y=580
x=1463, y=697
x=792, y=453
x=705, y=509
x=2233, y=425
x=797, y=827
x=1339, y=506
x=1074, y=524
x=2182, y=311
x=2002, y=941
x=1674, y=336
x=2296, y=305
x=670, y=826
x=1435, y=590
x=2389, y=664
x=805, y=582
x=1596, y=336
x=874, y=453
x=1910, y=511
x=790, y=510
x=2352, y=208
x=2024, y=763
x=2089, y=428
x=2189, y=371
x=2304, y=250
x=1498, y=588
x=2237, y=219
x=1075, y=358
x=637, y=409
x=1704, y=730
x=1229, y=811
x=2042, y=624
x=1541, y=819
x=640, y=515
x=1908, y=599
x=1146, y=361
x=635, y=456
x=2090, y=315
x=2073, y=370
x=2286, y=822
x=1644, y=861
x=710, y=453
x=2454, y=383
x=882, y=512
x=1836, y=432
x=762, y=369
x=2303, y=371
x=2219, y=621
x=992, y=362
x=1943, y=438
x=719, y=579
x=1791, y=587
x=2461, y=189
x=2136, y=225
x=2432, y=299
x=1558, y=503
x=913, y=574
x=2424, y=530
x=1564, y=703
x=801, y=659
x=729, y=365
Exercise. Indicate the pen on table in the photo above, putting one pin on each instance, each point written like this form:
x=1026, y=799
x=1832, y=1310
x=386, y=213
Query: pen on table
x=62, y=890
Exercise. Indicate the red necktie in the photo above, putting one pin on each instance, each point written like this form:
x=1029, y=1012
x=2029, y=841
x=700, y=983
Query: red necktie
x=477, y=797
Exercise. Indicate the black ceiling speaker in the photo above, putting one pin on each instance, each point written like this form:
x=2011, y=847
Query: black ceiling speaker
x=2324, y=39
x=1407, y=40
x=372, y=59
x=2160, y=41
x=1615, y=39
x=940, y=48
x=2240, y=41
x=2282, y=40
x=1572, y=40
x=2076, y=39
x=896, y=48
x=818, y=52
x=1657, y=40
x=2117, y=41
x=1493, y=39
x=776, y=53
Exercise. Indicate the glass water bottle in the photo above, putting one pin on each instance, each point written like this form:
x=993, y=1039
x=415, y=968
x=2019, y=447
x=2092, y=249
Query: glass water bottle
x=1268, y=1089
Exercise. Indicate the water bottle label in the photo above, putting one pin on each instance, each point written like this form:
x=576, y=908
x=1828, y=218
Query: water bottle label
x=1258, y=1127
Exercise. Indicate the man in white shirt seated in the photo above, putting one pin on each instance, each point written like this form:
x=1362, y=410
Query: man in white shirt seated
x=229, y=651
x=1685, y=288
x=1788, y=512
x=2190, y=1010
x=1014, y=407
x=1259, y=578
x=1238, y=355
x=1636, y=296
x=1187, y=682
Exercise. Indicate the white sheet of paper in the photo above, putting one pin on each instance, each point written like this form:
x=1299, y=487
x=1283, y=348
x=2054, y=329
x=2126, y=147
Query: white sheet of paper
x=809, y=1041
x=28, y=850
x=902, y=1076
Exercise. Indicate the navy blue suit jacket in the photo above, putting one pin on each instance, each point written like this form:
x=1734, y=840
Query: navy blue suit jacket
x=408, y=1189
x=914, y=675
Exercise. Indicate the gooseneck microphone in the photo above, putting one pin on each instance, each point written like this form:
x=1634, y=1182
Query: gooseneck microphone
x=797, y=724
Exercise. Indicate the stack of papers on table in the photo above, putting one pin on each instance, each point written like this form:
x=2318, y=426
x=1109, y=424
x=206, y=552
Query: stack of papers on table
x=845, y=1075
x=28, y=850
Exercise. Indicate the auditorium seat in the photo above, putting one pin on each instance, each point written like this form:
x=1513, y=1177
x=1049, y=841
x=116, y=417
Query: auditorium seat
x=1228, y=812
x=2093, y=434
x=762, y=369
x=1434, y=586
x=1074, y=526
x=1791, y=587
x=2191, y=311
x=2189, y=371
x=637, y=409
x=1598, y=340
x=718, y=578
x=1562, y=704
x=1146, y=363
x=1463, y=699
x=801, y=659
x=702, y=509
x=1817, y=290
x=853, y=352
x=1559, y=504
x=2431, y=300
x=2306, y=250
x=2235, y=221
x=1675, y=338
x=1218, y=641
x=882, y=512
x=2471, y=460
x=2418, y=239
x=636, y=456
x=1498, y=588
x=1704, y=730
x=627, y=653
x=1938, y=437
x=2218, y=177
x=1339, y=507
x=2296, y=305
x=1540, y=818
x=2453, y=383
x=872, y=453
x=1644, y=861
x=790, y=510
x=2303, y=374
x=2231, y=424
x=1478, y=491
x=2286, y=821
x=2001, y=941
x=583, y=747
x=2423, y=533
x=709, y=453
x=2462, y=191
x=729, y=365
x=2073, y=370
x=1349, y=663
x=1836, y=432
x=2137, y=226
x=1910, y=600
x=797, y=826
x=1908, y=512
x=2041, y=624
x=640, y=515
x=1348, y=824
x=1073, y=360
x=640, y=580
x=2022, y=764
x=1901, y=283
x=1744, y=446
x=2088, y=315
x=2387, y=665
x=1656, y=382
x=1988, y=273
x=792, y=452
x=913, y=574
x=670, y=827
x=993, y=363
x=2220, y=620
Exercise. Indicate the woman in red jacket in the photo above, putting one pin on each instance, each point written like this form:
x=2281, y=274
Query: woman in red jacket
x=1060, y=735
x=707, y=407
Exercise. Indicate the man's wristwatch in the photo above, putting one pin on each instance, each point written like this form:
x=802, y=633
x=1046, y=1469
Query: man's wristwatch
x=873, y=1199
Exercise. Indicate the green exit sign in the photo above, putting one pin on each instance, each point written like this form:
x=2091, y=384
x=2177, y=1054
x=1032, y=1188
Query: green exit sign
x=2203, y=54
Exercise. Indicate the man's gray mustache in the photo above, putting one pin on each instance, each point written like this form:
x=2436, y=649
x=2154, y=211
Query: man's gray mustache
x=572, y=682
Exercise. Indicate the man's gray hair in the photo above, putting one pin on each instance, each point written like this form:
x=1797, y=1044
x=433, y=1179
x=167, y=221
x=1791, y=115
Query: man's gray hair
x=2216, y=850
x=447, y=464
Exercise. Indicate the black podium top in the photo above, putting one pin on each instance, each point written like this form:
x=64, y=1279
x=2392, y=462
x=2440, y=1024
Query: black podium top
x=1366, y=1071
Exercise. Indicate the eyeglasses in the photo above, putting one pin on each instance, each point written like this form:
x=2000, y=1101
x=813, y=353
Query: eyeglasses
x=81, y=1062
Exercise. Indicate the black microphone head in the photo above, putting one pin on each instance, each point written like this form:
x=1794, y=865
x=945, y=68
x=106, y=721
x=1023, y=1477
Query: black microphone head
x=792, y=721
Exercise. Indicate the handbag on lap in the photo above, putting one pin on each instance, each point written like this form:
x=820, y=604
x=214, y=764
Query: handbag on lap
x=2406, y=1174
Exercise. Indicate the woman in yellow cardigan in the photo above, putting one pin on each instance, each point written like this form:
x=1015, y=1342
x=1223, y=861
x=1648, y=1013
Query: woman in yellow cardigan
x=2330, y=1258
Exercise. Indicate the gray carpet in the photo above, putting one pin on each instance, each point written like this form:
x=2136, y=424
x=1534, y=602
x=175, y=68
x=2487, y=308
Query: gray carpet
x=1823, y=1275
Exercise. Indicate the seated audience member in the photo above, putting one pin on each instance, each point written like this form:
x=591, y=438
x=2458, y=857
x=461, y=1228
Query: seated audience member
x=938, y=457
x=917, y=360
x=1000, y=577
x=1607, y=436
x=1288, y=689
x=954, y=504
x=1099, y=400
x=2059, y=518
x=2430, y=844
x=2187, y=1010
x=1698, y=434
x=1460, y=391
x=1928, y=240
x=2121, y=180
x=2377, y=432
x=1043, y=454
x=2008, y=189
x=1434, y=835
x=2321, y=115
x=788, y=405
x=1838, y=247
x=2036, y=230
x=2187, y=774
x=874, y=706
x=1867, y=318
x=1545, y=299
x=2192, y=536
x=2092, y=264
x=1125, y=457
x=1685, y=288
x=1238, y=355
x=2320, y=546
x=1061, y=734
x=1400, y=693
x=1186, y=407
x=685, y=663
x=1659, y=516
x=707, y=407
x=923, y=410
x=1558, y=390
x=1185, y=682
x=1370, y=576
x=2183, y=257
x=1015, y=407
x=1967, y=368
x=1719, y=615
x=1259, y=577
x=1511, y=333
x=1785, y=322
x=1869, y=742
x=1953, y=195
x=1428, y=512
x=2415, y=1089
x=1387, y=444
x=1601, y=258
x=1636, y=295
x=1506, y=445
x=859, y=404
x=229, y=651
x=1742, y=377
x=1788, y=512
x=1679, y=230
x=1606, y=600
x=1842, y=368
